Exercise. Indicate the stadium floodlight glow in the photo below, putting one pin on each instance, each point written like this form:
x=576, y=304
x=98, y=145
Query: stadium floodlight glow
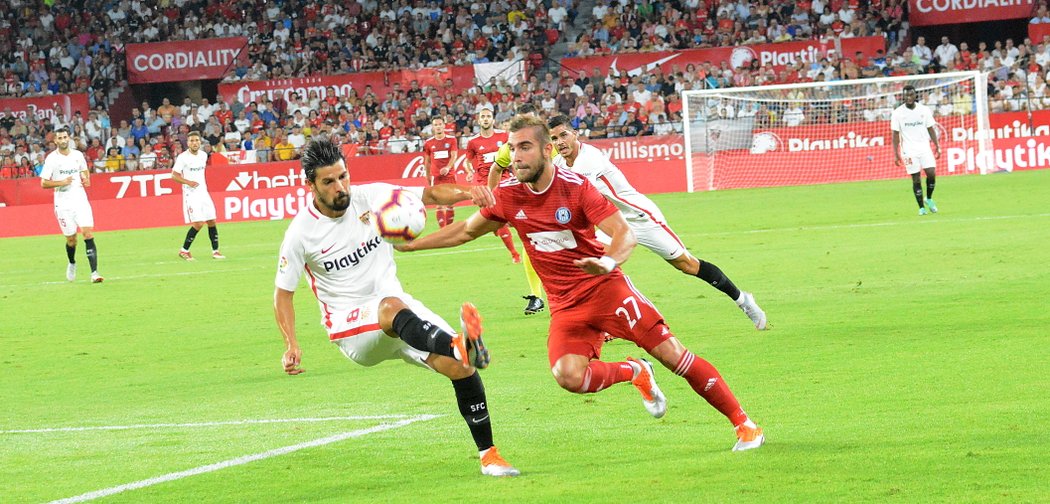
x=824, y=132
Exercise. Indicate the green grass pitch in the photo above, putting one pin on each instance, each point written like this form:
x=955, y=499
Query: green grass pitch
x=908, y=362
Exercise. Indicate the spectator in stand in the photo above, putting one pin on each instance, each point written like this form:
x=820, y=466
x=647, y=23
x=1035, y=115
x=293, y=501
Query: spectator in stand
x=284, y=150
x=114, y=160
x=922, y=53
x=945, y=53
x=148, y=159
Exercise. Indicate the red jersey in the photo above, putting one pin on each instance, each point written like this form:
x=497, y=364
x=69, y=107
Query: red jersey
x=481, y=152
x=556, y=227
x=440, y=153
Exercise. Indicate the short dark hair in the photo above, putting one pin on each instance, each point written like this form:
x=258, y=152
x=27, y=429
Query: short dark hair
x=62, y=129
x=559, y=120
x=520, y=122
x=318, y=154
x=193, y=133
x=909, y=87
x=526, y=108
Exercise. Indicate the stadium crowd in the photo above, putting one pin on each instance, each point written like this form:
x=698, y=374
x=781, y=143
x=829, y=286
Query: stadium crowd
x=78, y=47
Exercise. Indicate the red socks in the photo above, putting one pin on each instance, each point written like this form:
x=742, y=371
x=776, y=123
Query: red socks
x=601, y=375
x=445, y=216
x=706, y=381
x=504, y=234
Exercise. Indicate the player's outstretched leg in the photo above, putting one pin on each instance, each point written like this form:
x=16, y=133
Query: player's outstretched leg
x=709, y=384
x=92, y=255
x=578, y=374
x=473, y=405
x=428, y=337
x=713, y=275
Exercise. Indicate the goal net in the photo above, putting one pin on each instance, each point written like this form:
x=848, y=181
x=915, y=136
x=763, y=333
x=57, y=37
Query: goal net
x=818, y=133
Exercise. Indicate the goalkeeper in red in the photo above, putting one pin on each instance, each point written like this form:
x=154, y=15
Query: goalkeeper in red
x=554, y=212
x=641, y=214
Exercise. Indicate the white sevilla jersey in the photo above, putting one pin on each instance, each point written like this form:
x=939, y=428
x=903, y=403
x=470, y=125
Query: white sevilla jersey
x=610, y=181
x=191, y=168
x=58, y=167
x=344, y=259
x=913, y=124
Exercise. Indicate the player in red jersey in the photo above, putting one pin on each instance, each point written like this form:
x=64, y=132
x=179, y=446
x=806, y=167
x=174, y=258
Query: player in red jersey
x=439, y=154
x=481, y=153
x=554, y=212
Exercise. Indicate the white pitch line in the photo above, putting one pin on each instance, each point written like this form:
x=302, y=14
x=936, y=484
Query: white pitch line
x=931, y=220
x=928, y=221
x=238, y=461
x=201, y=424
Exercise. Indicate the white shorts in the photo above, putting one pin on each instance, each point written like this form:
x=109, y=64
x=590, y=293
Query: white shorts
x=915, y=163
x=655, y=236
x=72, y=215
x=198, y=208
x=356, y=331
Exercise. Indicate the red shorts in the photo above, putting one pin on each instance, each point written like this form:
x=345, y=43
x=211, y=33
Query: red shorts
x=615, y=307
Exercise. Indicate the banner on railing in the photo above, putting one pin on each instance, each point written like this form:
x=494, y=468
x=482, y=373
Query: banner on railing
x=938, y=12
x=776, y=55
x=45, y=107
x=186, y=60
x=458, y=78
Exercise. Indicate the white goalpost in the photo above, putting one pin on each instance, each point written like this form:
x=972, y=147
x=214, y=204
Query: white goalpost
x=826, y=132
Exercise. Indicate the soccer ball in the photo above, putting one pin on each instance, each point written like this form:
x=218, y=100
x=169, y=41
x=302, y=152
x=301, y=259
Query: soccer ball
x=399, y=216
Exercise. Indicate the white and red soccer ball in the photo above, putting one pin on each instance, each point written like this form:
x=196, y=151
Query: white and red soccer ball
x=398, y=216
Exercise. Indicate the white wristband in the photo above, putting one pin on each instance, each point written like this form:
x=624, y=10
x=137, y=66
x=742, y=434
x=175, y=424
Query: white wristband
x=608, y=263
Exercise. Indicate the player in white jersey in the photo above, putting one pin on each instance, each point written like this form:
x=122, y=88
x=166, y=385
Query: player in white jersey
x=197, y=206
x=644, y=217
x=912, y=124
x=364, y=309
x=66, y=171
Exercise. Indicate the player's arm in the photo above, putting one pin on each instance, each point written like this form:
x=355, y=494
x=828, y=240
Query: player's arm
x=451, y=165
x=617, y=252
x=426, y=166
x=453, y=235
x=176, y=175
x=85, y=177
x=501, y=163
x=467, y=165
x=897, y=148
x=450, y=194
x=936, y=142
x=284, y=311
x=47, y=183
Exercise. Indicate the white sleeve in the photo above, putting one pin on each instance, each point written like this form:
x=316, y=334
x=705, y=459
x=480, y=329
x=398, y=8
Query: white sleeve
x=82, y=161
x=895, y=124
x=291, y=263
x=180, y=164
x=48, y=171
x=929, y=118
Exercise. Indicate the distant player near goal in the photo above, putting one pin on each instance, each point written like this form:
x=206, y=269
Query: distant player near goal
x=366, y=312
x=555, y=212
x=66, y=171
x=197, y=206
x=439, y=157
x=481, y=153
x=644, y=217
x=912, y=124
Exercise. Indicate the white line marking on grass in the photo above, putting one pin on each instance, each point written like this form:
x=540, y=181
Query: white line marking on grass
x=239, y=461
x=931, y=220
x=202, y=424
